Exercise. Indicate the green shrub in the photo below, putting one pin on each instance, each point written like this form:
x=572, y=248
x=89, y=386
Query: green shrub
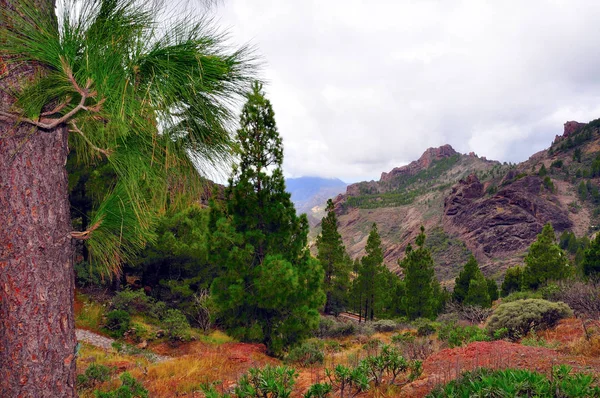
x=308, y=353
x=500, y=334
x=405, y=337
x=365, y=329
x=269, y=381
x=140, y=331
x=385, y=325
x=132, y=301
x=93, y=375
x=456, y=335
x=349, y=381
x=319, y=390
x=425, y=327
x=522, y=316
x=524, y=295
x=117, y=323
x=519, y=383
x=329, y=327
x=388, y=365
x=176, y=326
x=158, y=310
x=130, y=388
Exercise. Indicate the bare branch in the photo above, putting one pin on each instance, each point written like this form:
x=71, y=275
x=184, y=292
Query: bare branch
x=85, y=235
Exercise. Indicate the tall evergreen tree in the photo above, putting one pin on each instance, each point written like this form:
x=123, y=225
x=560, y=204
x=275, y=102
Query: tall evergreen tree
x=369, y=274
x=591, y=258
x=492, y=289
x=419, y=300
x=102, y=81
x=462, y=282
x=478, y=292
x=545, y=260
x=335, y=262
x=513, y=281
x=270, y=288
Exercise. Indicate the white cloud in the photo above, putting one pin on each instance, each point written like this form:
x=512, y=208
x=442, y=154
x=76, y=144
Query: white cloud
x=361, y=87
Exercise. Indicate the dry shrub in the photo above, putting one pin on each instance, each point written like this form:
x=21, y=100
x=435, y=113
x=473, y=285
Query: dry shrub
x=585, y=347
x=469, y=313
x=582, y=297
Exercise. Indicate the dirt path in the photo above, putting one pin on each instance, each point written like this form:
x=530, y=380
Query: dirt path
x=107, y=344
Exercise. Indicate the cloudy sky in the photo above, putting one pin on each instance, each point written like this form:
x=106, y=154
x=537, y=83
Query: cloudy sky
x=360, y=87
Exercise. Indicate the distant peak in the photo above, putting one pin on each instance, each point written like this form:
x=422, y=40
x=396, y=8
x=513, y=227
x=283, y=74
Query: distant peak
x=427, y=158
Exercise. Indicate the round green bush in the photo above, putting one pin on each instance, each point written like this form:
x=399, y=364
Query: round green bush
x=308, y=353
x=117, y=322
x=522, y=316
x=176, y=326
x=385, y=325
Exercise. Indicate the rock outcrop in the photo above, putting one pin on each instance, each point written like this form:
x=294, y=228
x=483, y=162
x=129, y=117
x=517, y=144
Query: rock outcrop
x=506, y=223
x=428, y=157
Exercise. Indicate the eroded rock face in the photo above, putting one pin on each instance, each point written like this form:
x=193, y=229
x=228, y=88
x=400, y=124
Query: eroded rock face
x=506, y=223
x=570, y=127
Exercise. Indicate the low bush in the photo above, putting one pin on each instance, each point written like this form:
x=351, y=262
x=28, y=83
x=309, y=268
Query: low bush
x=94, y=374
x=522, y=316
x=132, y=301
x=519, y=383
x=270, y=381
x=176, y=326
x=582, y=297
x=158, y=310
x=456, y=335
x=130, y=388
x=524, y=295
x=385, y=325
x=117, y=323
x=425, y=328
x=319, y=390
x=330, y=327
x=308, y=353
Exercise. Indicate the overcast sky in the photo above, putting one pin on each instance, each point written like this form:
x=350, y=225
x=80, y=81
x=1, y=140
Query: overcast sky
x=360, y=87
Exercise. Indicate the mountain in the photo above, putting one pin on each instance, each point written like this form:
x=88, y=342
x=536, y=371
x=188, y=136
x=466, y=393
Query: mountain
x=469, y=204
x=310, y=194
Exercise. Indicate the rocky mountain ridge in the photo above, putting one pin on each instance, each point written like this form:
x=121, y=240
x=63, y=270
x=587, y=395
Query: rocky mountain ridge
x=469, y=204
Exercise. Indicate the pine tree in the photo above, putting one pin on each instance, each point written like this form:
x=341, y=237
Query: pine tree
x=492, y=289
x=369, y=275
x=513, y=281
x=462, y=282
x=270, y=289
x=335, y=262
x=115, y=82
x=478, y=292
x=419, y=300
x=545, y=260
x=591, y=258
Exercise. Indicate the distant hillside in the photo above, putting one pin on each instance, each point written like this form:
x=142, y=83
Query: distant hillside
x=469, y=204
x=310, y=192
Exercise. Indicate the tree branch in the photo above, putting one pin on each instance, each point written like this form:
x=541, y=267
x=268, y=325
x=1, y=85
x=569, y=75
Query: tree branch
x=105, y=152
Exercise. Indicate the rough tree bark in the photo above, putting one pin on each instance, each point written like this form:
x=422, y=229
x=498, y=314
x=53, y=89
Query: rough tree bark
x=37, y=333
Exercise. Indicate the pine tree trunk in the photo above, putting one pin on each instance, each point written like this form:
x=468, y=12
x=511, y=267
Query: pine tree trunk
x=37, y=331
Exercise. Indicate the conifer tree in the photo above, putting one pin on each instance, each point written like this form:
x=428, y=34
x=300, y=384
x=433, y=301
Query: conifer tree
x=591, y=258
x=513, y=281
x=335, y=262
x=270, y=288
x=492, y=289
x=369, y=274
x=545, y=260
x=419, y=300
x=478, y=292
x=462, y=282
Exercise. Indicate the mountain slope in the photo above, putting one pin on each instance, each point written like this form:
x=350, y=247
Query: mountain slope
x=469, y=204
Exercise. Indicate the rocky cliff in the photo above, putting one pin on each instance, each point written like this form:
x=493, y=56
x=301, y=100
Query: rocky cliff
x=469, y=204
